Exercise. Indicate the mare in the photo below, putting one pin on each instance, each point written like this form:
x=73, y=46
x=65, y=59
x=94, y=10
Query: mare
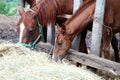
x=44, y=12
x=80, y=20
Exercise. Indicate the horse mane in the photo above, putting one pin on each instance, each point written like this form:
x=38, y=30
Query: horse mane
x=80, y=10
x=48, y=9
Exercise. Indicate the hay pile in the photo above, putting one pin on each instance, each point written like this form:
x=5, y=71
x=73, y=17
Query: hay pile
x=20, y=63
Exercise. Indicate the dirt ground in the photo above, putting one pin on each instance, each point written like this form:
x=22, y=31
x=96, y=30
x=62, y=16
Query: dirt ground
x=8, y=27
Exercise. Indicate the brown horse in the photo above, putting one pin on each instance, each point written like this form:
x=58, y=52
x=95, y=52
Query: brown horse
x=78, y=22
x=43, y=12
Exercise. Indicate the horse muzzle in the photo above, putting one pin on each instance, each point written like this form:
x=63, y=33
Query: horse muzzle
x=57, y=58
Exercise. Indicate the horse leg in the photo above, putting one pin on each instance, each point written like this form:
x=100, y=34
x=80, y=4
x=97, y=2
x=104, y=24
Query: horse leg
x=106, y=42
x=45, y=34
x=82, y=45
x=106, y=46
x=114, y=43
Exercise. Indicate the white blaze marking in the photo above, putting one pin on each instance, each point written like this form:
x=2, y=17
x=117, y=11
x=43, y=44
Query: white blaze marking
x=22, y=27
x=53, y=55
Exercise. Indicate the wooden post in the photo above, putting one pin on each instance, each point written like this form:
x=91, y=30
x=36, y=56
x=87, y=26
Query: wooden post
x=51, y=34
x=76, y=41
x=97, y=27
x=51, y=28
x=77, y=3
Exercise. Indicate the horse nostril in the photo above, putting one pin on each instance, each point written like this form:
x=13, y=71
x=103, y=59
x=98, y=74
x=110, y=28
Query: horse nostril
x=57, y=58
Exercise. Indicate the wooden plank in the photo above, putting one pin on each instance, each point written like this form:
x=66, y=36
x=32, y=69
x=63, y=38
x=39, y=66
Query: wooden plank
x=76, y=40
x=97, y=27
x=94, y=61
x=51, y=34
x=67, y=16
x=89, y=60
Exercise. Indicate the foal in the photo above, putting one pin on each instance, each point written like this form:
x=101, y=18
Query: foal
x=78, y=22
x=71, y=28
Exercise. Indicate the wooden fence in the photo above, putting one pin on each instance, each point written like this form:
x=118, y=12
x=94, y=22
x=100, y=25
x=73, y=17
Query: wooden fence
x=89, y=60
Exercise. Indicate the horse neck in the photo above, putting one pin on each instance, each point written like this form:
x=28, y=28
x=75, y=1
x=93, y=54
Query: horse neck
x=64, y=7
x=80, y=19
x=49, y=9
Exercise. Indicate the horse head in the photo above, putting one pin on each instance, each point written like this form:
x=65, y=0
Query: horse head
x=62, y=44
x=29, y=29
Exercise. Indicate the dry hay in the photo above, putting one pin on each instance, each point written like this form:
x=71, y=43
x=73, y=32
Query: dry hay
x=20, y=63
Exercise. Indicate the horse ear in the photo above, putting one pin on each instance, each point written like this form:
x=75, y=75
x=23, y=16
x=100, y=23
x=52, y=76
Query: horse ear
x=61, y=29
x=21, y=10
x=28, y=7
x=36, y=12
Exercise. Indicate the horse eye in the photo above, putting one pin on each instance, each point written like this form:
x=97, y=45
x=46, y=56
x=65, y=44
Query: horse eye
x=31, y=32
